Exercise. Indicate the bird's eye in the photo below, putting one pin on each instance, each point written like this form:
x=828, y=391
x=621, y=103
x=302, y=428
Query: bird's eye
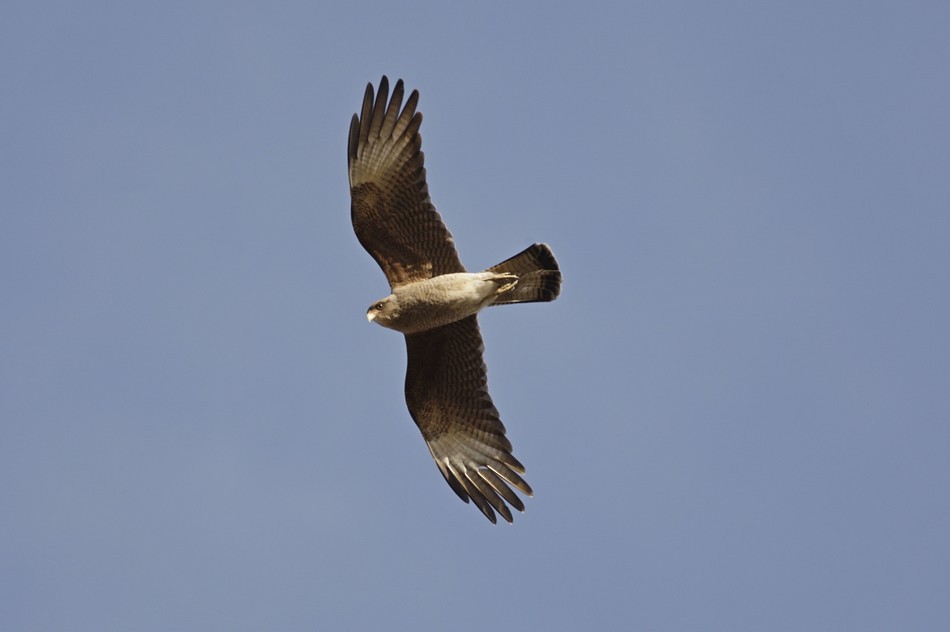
x=378, y=306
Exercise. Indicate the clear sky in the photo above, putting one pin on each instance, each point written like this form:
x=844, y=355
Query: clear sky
x=736, y=417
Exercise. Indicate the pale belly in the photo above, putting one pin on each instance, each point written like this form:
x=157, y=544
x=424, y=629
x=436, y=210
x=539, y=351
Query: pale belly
x=443, y=300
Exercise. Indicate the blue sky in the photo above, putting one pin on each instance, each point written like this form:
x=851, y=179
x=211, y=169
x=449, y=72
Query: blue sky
x=736, y=417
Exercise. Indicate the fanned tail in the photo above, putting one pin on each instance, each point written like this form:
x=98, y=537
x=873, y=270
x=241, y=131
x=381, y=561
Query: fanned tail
x=539, y=278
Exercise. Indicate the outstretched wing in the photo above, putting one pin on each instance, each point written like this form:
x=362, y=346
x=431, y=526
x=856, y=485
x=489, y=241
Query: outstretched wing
x=447, y=395
x=392, y=214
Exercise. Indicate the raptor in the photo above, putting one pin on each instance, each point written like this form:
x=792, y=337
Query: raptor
x=434, y=301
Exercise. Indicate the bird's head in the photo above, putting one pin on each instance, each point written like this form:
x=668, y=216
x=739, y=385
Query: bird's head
x=384, y=312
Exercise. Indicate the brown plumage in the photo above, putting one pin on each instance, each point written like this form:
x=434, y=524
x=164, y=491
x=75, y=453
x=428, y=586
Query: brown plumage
x=434, y=301
x=392, y=214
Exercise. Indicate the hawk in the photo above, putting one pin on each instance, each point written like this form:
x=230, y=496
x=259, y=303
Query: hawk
x=435, y=301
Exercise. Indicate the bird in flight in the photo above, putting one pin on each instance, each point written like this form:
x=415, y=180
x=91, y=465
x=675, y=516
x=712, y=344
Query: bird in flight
x=435, y=301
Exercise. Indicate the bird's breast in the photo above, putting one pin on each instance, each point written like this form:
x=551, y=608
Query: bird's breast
x=441, y=300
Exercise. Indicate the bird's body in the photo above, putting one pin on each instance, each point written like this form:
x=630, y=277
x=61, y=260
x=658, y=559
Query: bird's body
x=438, y=301
x=435, y=301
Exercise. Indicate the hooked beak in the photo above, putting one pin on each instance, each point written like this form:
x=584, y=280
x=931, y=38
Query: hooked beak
x=370, y=316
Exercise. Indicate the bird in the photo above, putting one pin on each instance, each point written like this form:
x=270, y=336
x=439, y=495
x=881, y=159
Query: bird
x=434, y=301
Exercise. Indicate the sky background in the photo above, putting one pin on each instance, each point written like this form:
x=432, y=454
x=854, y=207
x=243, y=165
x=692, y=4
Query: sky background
x=736, y=417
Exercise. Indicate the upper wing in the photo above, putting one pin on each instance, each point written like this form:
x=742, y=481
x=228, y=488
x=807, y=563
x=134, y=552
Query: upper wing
x=392, y=214
x=447, y=394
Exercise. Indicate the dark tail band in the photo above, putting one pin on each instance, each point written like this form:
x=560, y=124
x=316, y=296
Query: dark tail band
x=539, y=278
